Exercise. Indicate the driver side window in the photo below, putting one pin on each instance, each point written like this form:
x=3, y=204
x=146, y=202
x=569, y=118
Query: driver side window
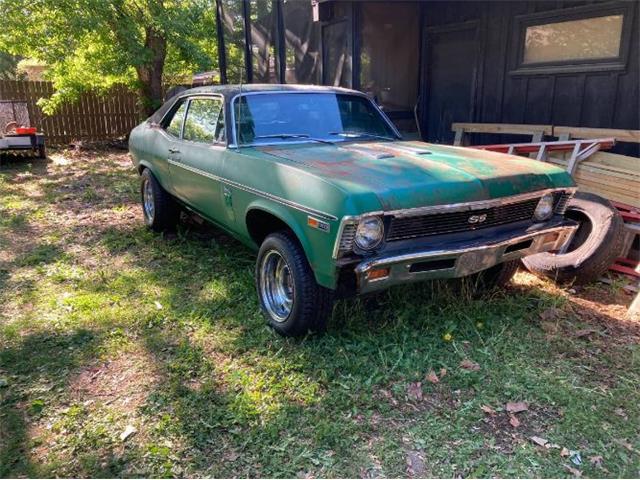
x=175, y=124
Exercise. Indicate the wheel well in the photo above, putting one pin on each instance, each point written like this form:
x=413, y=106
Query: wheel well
x=260, y=224
x=141, y=169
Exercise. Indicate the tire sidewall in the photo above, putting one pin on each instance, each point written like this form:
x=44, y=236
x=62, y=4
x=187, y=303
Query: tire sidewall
x=147, y=178
x=587, y=262
x=283, y=246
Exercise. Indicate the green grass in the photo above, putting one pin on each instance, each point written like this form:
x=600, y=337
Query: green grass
x=104, y=325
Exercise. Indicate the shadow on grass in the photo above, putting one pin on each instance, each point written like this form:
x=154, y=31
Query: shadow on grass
x=234, y=399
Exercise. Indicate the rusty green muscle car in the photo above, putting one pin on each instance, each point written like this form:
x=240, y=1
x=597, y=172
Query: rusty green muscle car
x=321, y=184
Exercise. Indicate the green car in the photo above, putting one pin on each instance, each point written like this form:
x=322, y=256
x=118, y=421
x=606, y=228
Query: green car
x=321, y=184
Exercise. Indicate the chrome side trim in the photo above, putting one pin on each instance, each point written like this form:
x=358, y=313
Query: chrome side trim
x=269, y=196
x=298, y=92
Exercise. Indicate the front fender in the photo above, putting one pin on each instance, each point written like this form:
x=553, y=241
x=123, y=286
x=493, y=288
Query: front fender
x=317, y=245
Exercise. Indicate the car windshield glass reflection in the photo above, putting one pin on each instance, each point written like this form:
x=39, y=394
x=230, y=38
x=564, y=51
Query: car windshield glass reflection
x=314, y=117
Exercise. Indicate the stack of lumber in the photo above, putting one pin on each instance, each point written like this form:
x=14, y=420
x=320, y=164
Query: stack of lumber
x=612, y=176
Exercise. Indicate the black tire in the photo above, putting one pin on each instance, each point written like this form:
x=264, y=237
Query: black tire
x=596, y=244
x=42, y=151
x=165, y=212
x=492, y=278
x=311, y=303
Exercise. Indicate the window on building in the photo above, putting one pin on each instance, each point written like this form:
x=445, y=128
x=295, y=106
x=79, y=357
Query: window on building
x=389, y=57
x=574, y=40
x=202, y=119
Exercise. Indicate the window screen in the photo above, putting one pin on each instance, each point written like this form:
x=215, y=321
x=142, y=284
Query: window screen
x=263, y=37
x=202, y=118
x=175, y=125
x=336, y=40
x=302, y=40
x=389, y=58
x=233, y=28
x=586, y=39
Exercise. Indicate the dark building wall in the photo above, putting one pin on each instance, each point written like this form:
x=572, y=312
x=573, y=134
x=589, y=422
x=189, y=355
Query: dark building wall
x=606, y=97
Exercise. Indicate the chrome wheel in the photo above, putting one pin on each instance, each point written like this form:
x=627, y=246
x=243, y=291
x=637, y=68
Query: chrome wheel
x=276, y=286
x=147, y=200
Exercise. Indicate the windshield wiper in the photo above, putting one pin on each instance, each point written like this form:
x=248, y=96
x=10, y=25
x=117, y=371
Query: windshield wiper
x=360, y=135
x=284, y=136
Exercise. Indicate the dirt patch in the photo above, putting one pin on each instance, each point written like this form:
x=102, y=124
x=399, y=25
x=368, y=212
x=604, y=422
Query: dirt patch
x=123, y=382
x=504, y=434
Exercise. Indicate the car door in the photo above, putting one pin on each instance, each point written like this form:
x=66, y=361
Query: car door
x=195, y=163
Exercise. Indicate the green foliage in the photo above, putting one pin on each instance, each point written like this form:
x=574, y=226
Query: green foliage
x=94, y=44
x=8, y=64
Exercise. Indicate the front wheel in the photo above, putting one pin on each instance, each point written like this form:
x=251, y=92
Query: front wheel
x=496, y=277
x=291, y=300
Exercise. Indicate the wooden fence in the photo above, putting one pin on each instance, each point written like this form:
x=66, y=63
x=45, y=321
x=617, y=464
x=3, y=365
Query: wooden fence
x=93, y=117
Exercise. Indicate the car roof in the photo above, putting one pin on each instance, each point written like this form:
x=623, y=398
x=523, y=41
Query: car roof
x=232, y=90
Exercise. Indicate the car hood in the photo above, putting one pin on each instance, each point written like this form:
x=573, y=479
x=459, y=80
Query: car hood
x=412, y=174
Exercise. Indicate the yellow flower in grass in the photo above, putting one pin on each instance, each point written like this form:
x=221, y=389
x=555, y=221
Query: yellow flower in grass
x=479, y=325
x=447, y=337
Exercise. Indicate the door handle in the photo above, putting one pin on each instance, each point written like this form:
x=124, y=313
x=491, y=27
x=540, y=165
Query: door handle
x=174, y=150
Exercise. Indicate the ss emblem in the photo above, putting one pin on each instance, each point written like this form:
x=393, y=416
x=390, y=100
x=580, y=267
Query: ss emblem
x=473, y=219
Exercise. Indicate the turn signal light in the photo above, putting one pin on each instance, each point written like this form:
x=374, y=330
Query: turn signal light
x=378, y=273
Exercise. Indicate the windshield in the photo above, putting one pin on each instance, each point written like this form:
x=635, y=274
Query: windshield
x=322, y=117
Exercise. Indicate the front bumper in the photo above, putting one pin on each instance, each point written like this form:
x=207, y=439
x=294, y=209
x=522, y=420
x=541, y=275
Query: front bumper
x=461, y=259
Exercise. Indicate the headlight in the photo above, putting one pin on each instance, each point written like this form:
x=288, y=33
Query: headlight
x=544, y=210
x=369, y=233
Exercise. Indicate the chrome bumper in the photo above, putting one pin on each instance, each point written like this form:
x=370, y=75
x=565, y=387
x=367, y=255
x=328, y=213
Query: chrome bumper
x=462, y=259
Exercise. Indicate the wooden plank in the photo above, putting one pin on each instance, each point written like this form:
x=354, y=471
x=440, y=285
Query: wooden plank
x=504, y=128
x=583, y=132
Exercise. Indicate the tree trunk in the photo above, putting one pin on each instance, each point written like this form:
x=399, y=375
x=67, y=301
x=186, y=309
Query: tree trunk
x=150, y=72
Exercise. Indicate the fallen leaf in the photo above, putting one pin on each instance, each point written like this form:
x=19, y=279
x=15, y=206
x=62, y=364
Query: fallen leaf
x=130, y=430
x=432, y=377
x=443, y=372
x=158, y=305
x=415, y=465
x=549, y=327
x=414, y=391
x=515, y=423
x=574, y=471
x=596, y=460
x=551, y=314
x=469, y=365
x=565, y=452
x=488, y=410
x=539, y=440
x=517, y=407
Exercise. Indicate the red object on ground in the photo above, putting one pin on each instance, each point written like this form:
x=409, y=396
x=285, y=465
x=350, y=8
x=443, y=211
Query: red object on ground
x=26, y=130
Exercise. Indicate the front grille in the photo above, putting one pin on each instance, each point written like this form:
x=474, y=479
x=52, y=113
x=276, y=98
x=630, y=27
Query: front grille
x=402, y=228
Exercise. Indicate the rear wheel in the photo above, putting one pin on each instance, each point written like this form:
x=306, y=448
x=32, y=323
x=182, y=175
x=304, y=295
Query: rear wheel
x=159, y=209
x=290, y=299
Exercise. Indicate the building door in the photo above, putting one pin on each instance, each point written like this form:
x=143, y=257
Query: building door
x=450, y=68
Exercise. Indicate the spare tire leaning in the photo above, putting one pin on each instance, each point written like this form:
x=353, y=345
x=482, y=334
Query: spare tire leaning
x=598, y=241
